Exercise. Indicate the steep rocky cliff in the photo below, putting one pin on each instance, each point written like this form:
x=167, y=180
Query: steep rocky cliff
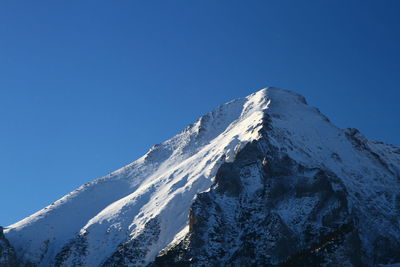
x=266, y=209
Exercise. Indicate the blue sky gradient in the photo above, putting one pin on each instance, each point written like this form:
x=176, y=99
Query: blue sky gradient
x=89, y=86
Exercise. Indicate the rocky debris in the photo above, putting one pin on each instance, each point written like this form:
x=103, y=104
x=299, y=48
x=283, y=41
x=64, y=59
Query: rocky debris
x=134, y=251
x=73, y=253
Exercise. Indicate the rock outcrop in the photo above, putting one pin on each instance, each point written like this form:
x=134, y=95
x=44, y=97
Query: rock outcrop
x=8, y=257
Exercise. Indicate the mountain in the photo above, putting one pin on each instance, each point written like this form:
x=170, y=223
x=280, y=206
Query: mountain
x=264, y=180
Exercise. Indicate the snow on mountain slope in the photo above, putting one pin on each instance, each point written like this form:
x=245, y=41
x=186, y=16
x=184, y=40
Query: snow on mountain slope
x=129, y=216
x=161, y=184
x=305, y=193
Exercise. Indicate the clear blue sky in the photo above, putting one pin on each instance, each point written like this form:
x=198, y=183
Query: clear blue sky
x=88, y=86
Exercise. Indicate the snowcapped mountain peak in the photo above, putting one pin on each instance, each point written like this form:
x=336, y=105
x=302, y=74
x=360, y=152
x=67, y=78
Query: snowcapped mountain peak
x=156, y=203
x=170, y=174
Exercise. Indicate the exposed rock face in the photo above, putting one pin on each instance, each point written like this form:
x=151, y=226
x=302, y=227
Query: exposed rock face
x=7, y=252
x=264, y=180
x=133, y=252
x=265, y=210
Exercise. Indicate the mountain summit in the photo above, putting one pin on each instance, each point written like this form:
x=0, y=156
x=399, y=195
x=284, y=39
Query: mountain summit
x=263, y=180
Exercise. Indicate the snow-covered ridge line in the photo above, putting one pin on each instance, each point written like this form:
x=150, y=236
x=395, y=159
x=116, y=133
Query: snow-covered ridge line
x=116, y=208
